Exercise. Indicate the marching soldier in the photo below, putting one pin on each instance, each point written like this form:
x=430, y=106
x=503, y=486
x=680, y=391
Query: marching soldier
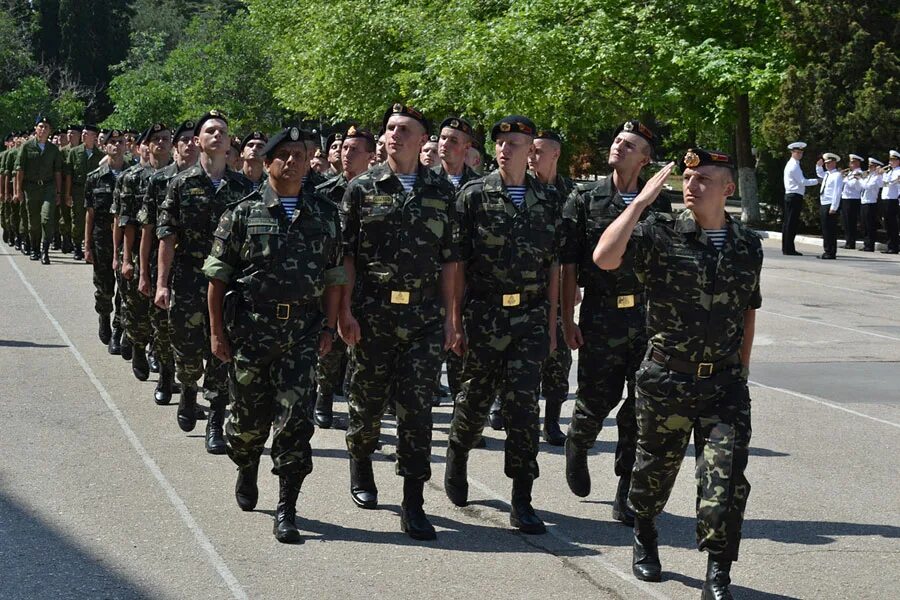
x=701, y=270
x=357, y=149
x=39, y=182
x=7, y=207
x=251, y=155
x=72, y=139
x=871, y=187
x=277, y=253
x=830, y=202
x=80, y=160
x=890, y=197
x=509, y=239
x=401, y=255
x=795, y=184
x=851, y=194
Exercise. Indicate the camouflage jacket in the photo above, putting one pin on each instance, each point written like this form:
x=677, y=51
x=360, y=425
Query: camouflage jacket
x=697, y=294
x=78, y=164
x=588, y=211
x=132, y=190
x=192, y=207
x=397, y=238
x=468, y=175
x=508, y=249
x=37, y=165
x=99, y=193
x=156, y=193
x=334, y=188
x=272, y=257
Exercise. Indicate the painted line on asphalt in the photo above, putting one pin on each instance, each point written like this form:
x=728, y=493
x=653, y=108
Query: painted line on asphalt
x=215, y=559
x=832, y=325
x=823, y=403
x=834, y=287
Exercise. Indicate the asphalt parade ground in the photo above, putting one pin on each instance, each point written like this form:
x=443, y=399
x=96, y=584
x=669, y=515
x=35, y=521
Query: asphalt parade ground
x=102, y=496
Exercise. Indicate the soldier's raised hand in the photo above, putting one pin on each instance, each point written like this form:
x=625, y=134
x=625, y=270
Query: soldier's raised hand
x=654, y=186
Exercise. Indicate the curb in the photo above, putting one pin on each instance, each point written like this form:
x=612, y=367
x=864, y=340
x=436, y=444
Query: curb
x=808, y=239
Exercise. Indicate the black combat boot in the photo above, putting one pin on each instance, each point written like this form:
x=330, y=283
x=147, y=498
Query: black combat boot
x=105, y=331
x=26, y=245
x=620, y=510
x=67, y=244
x=57, y=241
x=215, y=437
x=163, y=393
x=456, y=481
x=139, y=365
x=551, y=431
x=413, y=521
x=362, y=484
x=577, y=475
x=246, y=491
x=45, y=253
x=324, y=412
x=152, y=361
x=285, y=527
x=115, y=341
x=18, y=242
x=495, y=416
x=645, y=552
x=187, y=407
x=521, y=514
x=77, y=252
x=127, y=350
x=718, y=578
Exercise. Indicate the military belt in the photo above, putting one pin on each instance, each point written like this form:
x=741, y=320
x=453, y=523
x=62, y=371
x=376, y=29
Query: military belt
x=37, y=182
x=507, y=300
x=283, y=311
x=701, y=370
x=621, y=301
x=416, y=296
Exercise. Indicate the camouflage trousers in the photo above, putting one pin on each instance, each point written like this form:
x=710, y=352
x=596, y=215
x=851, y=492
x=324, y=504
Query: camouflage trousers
x=556, y=367
x=136, y=306
x=106, y=296
x=159, y=318
x=454, y=374
x=77, y=229
x=329, y=374
x=9, y=216
x=506, y=349
x=40, y=202
x=64, y=218
x=272, y=386
x=670, y=406
x=189, y=322
x=24, y=225
x=615, y=341
x=397, y=359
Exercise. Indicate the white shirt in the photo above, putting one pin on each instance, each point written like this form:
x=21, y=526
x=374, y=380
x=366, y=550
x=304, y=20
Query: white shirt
x=794, y=181
x=830, y=190
x=852, y=185
x=871, y=185
x=891, y=182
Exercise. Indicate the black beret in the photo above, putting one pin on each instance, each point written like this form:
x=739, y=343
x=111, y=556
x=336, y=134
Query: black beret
x=153, y=130
x=185, y=127
x=91, y=127
x=637, y=128
x=113, y=133
x=547, y=134
x=42, y=119
x=698, y=157
x=407, y=111
x=236, y=143
x=513, y=124
x=9, y=137
x=253, y=135
x=288, y=134
x=337, y=136
x=459, y=124
x=356, y=132
x=213, y=114
x=74, y=128
x=139, y=139
x=432, y=138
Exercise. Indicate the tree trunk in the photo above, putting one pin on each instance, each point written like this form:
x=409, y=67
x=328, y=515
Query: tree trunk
x=746, y=166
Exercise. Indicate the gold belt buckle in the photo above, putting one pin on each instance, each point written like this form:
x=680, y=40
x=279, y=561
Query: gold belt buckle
x=625, y=301
x=511, y=299
x=283, y=311
x=704, y=370
x=398, y=297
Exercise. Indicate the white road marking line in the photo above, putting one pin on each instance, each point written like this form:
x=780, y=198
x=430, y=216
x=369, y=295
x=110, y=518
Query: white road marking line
x=825, y=324
x=824, y=403
x=202, y=540
x=834, y=287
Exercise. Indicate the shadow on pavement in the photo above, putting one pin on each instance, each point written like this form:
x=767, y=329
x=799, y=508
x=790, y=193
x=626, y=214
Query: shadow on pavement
x=25, y=344
x=739, y=592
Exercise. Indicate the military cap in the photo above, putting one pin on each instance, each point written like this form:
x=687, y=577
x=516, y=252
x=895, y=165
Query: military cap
x=797, y=146
x=42, y=119
x=113, y=133
x=185, y=127
x=641, y=130
x=91, y=127
x=213, y=114
x=894, y=154
x=286, y=135
x=334, y=137
x=398, y=108
x=74, y=128
x=513, y=124
x=139, y=139
x=153, y=130
x=432, y=138
x=875, y=161
x=236, y=143
x=698, y=157
x=856, y=157
x=9, y=136
x=831, y=156
x=547, y=134
x=355, y=132
x=459, y=124
x=253, y=135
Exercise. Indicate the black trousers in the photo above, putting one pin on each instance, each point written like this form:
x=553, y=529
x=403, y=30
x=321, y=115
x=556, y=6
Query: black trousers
x=793, y=205
x=869, y=216
x=850, y=217
x=829, y=229
x=890, y=211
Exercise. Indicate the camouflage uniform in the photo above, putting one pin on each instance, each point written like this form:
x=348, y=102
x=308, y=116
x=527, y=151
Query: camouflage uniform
x=697, y=297
x=508, y=252
x=78, y=164
x=191, y=210
x=39, y=188
x=277, y=269
x=99, y=187
x=399, y=241
x=10, y=213
x=611, y=319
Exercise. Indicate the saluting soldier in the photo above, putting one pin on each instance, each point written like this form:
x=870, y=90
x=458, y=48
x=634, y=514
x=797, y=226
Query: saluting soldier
x=701, y=270
x=278, y=253
x=401, y=254
x=851, y=194
x=869, y=204
x=251, y=155
x=39, y=181
x=80, y=160
x=509, y=240
x=795, y=184
x=186, y=221
x=890, y=203
x=611, y=335
x=357, y=149
x=829, y=202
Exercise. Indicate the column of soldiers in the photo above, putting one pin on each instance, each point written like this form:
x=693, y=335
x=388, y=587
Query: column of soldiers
x=858, y=196
x=265, y=276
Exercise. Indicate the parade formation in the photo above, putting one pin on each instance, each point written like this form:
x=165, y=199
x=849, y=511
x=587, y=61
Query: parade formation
x=282, y=274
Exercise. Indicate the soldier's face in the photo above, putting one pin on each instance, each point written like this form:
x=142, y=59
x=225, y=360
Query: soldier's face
x=115, y=147
x=89, y=139
x=512, y=150
x=404, y=137
x=830, y=164
x=453, y=145
x=317, y=164
x=144, y=151
x=73, y=137
x=213, y=137
x=797, y=154
x=429, y=155
x=380, y=154
x=544, y=155
x=855, y=164
x=706, y=187
x=161, y=144
x=253, y=150
x=334, y=152
x=629, y=151
x=42, y=132
x=895, y=162
x=355, y=155
x=186, y=147
x=288, y=163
